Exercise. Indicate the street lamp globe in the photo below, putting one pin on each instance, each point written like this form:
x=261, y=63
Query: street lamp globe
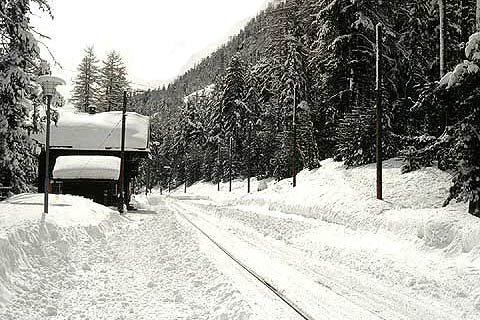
x=49, y=84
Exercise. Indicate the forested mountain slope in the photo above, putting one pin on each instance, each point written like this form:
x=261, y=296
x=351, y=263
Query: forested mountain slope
x=319, y=56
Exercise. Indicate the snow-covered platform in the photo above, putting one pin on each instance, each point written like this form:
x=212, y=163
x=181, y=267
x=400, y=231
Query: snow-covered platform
x=92, y=263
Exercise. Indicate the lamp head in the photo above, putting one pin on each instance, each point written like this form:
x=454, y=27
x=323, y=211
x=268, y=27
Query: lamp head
x=49, y=84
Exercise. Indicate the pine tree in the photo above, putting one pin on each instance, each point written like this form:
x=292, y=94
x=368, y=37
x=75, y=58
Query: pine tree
x=19, y=61
x=86, y=84
x=235, y=114
x=457, y=149
x=295, y=89
x=113, y=82
x=346, y=51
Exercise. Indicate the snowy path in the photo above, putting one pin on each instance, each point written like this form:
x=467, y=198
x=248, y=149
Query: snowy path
x=151, y=266
x=334, y=272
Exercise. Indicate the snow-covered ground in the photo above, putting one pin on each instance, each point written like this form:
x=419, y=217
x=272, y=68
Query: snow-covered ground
x=328, y=245
x=340, y=253
x=91, y=263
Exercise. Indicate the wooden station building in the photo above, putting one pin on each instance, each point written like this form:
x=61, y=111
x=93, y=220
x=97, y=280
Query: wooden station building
x=85, y=154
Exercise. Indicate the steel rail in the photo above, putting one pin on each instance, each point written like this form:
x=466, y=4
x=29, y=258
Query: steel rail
x=303, y=314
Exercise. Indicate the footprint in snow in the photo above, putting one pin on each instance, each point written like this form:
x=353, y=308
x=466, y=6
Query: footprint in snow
x=51, y=312
x=477, y=302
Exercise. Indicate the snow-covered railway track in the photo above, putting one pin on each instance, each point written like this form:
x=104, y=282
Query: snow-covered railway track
x=323, y=290
x=302, y=313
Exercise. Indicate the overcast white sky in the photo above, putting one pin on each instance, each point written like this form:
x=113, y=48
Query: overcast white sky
x=156, y=38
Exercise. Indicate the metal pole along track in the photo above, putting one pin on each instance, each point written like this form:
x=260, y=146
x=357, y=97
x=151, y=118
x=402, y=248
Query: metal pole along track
x=269, y=286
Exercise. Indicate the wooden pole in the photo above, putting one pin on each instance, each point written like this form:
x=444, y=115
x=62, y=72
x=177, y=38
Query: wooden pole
x=185, y=172
x=249, y=155
x=379, y=111
x=122, y=199
x=477, y=16
x=230, y=166
x=185, y=164
x=294, y=151
x=441, y=8
x=219, y=176
x=149, y=163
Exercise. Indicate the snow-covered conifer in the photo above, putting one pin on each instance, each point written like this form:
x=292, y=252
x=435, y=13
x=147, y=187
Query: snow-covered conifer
x=86, y=84
x=113, y=81
x=19, y=62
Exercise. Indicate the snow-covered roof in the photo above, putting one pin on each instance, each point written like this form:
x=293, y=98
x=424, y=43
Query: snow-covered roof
x=87, y=167
x=100, y=131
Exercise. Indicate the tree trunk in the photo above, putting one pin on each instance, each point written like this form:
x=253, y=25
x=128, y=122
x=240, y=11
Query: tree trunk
x=441, y=10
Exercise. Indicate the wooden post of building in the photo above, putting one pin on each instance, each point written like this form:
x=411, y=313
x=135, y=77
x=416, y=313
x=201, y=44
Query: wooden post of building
x=147, y=179
x=378, y=89
x=122, y=183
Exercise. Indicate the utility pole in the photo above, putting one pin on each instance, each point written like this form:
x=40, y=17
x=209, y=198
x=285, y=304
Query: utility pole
x=230, y=165
x=219, y=176
x=250, y=125
x=379, y=111
x=122, y=156
x=169, y=176
x=477, y=17
x=149, y=164
x=294, y=127
x=185, y=168
x=109, y=95
x=441, y=8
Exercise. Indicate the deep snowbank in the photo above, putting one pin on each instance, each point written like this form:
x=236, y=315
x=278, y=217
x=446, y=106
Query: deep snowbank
x=412, y=206
x=26, y=246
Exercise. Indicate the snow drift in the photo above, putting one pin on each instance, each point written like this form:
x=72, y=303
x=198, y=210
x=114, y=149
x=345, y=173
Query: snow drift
x=24, y=240
x=412, y=208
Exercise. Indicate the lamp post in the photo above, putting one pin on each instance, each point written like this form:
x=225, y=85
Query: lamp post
x=48, y=84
